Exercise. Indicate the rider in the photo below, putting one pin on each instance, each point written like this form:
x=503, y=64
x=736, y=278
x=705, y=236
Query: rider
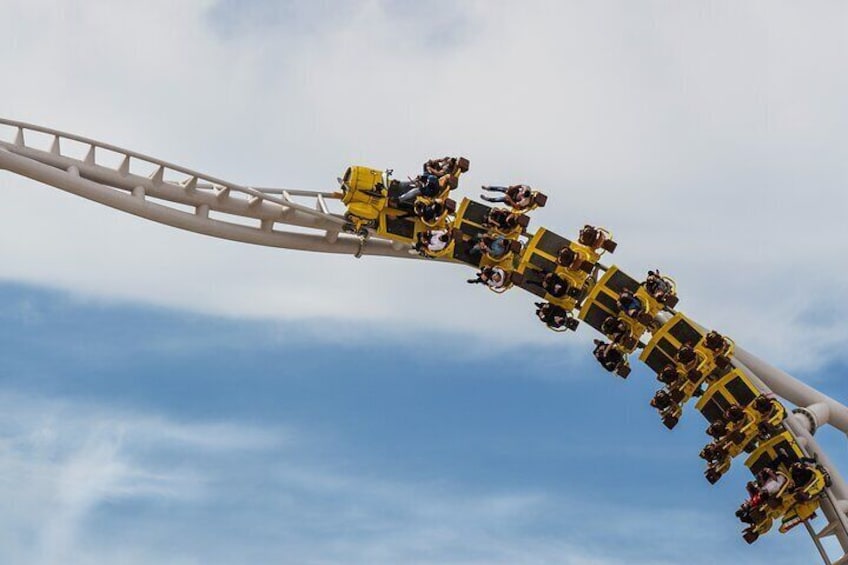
x=657, y=286
x=438, y=167
x=608, y=355
x=553, y=316
x=615, y=329
x=569, y=258
x=668, y=375
x=517, y=196
x=502, y=219
x=433, y=241
x=770, y=482
x=686, y=355
x=496, y=246
x=749, y=507
x=715, y=342
x=426, y=185
x=493, y=277
x=629, y=304
x=555, y=285
x=661, y=400
x=592, y=237
x=429, y=212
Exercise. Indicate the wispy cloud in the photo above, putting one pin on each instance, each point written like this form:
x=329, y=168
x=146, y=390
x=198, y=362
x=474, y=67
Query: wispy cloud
x=84, y=483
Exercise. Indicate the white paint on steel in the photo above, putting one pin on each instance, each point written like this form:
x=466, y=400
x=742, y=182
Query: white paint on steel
x=121, y=189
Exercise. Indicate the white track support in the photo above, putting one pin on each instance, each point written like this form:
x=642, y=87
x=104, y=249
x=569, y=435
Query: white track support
x=163, y=195
x=825, y=410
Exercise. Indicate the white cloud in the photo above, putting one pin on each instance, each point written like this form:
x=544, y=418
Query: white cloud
x=709, y=138
x=62, y=461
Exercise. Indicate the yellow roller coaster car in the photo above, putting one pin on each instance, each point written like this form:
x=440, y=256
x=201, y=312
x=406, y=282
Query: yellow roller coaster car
x=377, y=202
x=739, y=426
x=733, y=389
x=364, y=192
x=602, y=309
x=548, y=279
x=679, y=354
x=476, y=244
x=797, y=499
x=507, y=222
x=679, y=333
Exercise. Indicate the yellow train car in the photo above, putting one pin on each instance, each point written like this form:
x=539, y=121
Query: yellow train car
x=678, y=354
x=733, y=389
x=469, y=227
x=601, y=303
x=778, y=453
x=374, y=202
x=539, y=259
x=364, y=192
x=405, y=227
x=739, y=418
x=661, y=351
x=793, y=503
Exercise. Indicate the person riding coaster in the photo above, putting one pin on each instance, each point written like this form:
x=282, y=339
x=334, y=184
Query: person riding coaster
x=771, y=414
x=690, y=360
x=506, y=221
x=433, y=243
x=432, y=212
x=618, y=331
x=611, y=358
x=596, y=239
x=495, y=246
x=427, y=186
x=720, y=346
x=660, y=288
x=661, y=400
x=495, y=278
x=519, y=197
x=633, y=307
x=669, y=375
x=556, y=286
x=438, y=177
x=573, y=261
x=740, y=429
x=748, y=512
x=717, y=429
x=555, y=317
x=445, y=166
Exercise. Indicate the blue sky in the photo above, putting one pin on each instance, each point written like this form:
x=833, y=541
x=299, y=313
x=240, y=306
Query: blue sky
x=169, y=398
x=140, y=435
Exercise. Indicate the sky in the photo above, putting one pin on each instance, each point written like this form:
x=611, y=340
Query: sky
x=167, y=397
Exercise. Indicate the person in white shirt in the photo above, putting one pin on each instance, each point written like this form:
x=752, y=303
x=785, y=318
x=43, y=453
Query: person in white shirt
x=493, y=277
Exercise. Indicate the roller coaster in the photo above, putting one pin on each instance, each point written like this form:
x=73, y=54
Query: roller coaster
x=750, y=407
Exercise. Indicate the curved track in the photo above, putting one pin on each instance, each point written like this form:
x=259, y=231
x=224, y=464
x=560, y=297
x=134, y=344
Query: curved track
x=303, y=220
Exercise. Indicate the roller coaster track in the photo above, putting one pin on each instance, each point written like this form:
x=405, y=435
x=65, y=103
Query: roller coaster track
x=303, y=220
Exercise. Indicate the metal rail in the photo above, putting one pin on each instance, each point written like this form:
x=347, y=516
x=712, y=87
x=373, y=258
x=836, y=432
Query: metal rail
x=187, y=199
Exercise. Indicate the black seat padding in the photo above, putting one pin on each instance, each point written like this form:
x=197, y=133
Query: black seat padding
x=551, y=243
x=532, y=281
x=476, y=212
